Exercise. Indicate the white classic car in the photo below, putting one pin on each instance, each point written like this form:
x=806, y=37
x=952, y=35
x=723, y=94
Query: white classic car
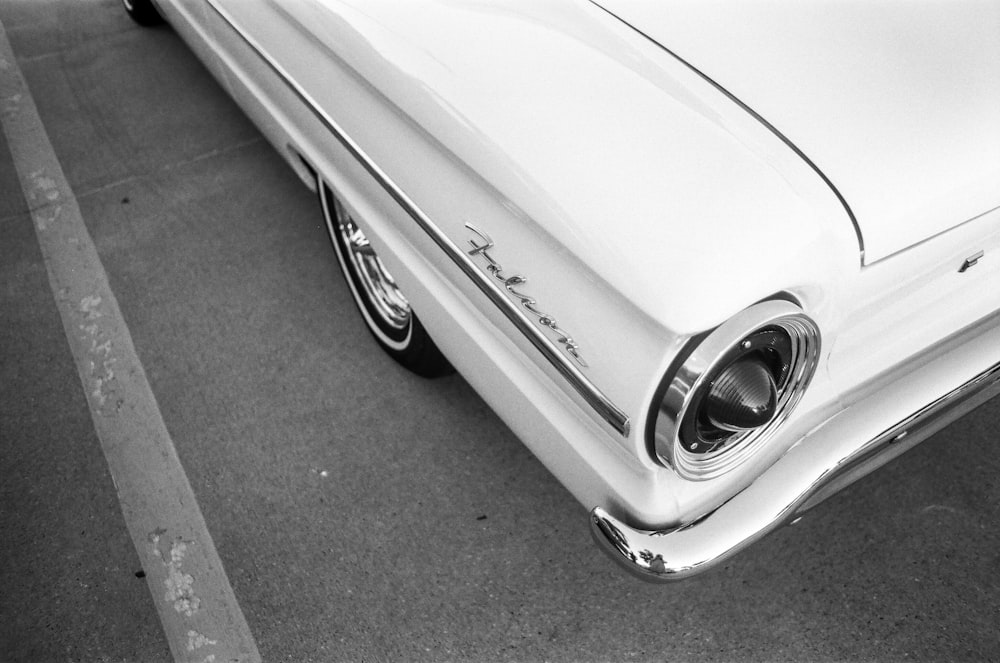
x=711, y=262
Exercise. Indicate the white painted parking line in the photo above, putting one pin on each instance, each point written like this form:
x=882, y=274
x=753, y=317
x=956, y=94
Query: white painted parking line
x=201, y=618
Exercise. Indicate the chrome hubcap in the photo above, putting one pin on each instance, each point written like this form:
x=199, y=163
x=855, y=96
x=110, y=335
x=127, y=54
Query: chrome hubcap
x=378, y=285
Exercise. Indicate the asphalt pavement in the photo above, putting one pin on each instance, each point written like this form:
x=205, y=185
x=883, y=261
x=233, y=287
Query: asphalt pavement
x=362, y=513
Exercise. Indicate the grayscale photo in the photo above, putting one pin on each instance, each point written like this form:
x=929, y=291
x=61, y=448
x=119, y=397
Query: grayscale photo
x=499, y=330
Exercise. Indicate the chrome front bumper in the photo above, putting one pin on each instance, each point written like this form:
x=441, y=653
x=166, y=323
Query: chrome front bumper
x=809, y=473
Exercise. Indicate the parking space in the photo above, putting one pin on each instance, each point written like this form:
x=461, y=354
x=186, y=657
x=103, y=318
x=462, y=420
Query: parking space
x=363, y=513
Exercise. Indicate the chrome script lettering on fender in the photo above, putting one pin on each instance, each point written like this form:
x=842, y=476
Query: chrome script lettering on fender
x=511, y=283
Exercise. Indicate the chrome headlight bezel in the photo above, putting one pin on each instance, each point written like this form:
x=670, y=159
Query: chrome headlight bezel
x=679, y=437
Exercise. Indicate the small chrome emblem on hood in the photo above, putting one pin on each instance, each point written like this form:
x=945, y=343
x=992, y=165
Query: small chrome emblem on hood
x=510, y=283
x=971, y=261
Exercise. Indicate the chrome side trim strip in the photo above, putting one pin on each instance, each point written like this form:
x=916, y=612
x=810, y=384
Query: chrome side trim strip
x=593, y=396
x=675, y=554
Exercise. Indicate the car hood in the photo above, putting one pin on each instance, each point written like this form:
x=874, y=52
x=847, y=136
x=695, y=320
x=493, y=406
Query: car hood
x=601, y=159
x=896, y=106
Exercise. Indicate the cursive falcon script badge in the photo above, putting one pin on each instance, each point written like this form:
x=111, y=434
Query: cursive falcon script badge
x=511, y=283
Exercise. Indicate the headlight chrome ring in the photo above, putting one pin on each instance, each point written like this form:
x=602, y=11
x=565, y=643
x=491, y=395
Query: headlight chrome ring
x=735, y=389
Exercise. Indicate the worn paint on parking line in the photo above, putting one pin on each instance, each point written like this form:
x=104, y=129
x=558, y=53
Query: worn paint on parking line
x=200, y=616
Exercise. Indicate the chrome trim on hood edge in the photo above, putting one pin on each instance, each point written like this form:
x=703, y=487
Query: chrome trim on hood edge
x=767, y=125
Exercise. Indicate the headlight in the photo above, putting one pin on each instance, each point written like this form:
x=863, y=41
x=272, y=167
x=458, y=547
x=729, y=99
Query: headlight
x=733, y=391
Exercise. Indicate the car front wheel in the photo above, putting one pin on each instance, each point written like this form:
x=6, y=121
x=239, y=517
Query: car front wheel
x=383, y=306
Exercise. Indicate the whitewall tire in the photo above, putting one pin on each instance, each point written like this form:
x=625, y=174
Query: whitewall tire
x=384, y=308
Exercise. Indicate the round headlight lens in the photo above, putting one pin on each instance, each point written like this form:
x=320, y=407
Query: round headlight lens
x=742, y=397
x=735, y=388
